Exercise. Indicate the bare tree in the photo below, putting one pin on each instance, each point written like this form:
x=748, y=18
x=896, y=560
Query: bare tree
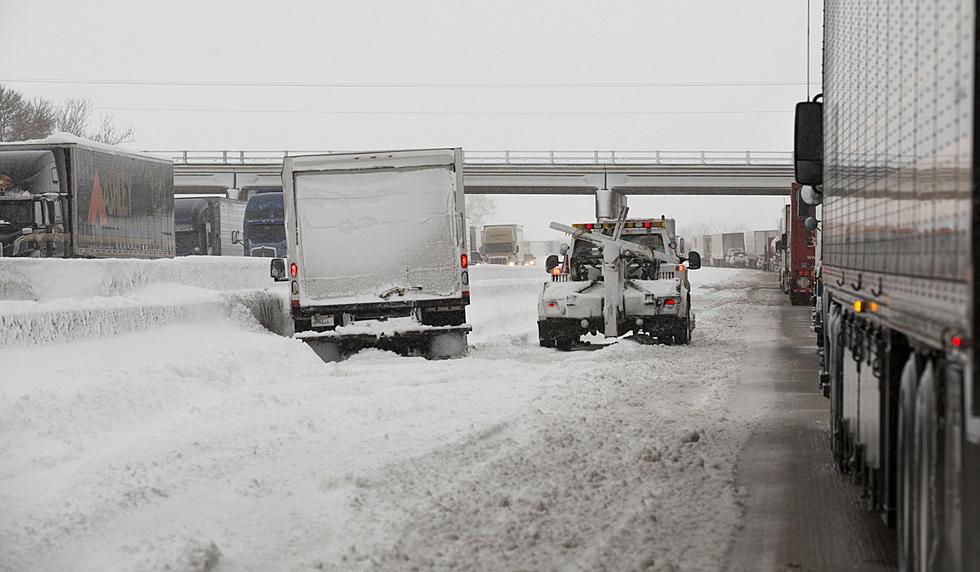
x=74, y=115
x=35, y=120
x=479, y=208
x=11, y=107
x=109, y=134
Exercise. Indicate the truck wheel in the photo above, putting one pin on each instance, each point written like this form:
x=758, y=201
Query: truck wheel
x=447, y=346
x=564, y=343
x=683, y=335
x=905, y=477
x=927, y=520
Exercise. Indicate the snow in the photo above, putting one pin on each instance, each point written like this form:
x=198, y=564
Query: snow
x=209, y=442
x=63, y=138
x=401, y=221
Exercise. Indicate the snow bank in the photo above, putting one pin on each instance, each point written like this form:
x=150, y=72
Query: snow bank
x=55, y=301
x=42, y=280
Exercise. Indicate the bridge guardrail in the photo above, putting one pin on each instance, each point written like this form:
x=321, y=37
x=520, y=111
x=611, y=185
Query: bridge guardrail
x=514, y=157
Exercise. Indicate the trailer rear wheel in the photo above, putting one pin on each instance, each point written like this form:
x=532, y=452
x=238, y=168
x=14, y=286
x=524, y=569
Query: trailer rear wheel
x=904, y=455
x=927, y=507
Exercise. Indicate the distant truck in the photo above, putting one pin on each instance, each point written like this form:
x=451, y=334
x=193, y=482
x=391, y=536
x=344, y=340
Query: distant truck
x=66, y=197
x=377, y=252
x=501, y=244
x=758, y=248
x=799, y=254
x=264, y=225
x=208, y=224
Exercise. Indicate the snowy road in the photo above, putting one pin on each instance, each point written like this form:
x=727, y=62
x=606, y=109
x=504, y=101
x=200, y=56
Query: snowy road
x=215, y=444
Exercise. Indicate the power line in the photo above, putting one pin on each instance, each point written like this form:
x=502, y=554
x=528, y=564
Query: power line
x=412, y=85
x=447, y=113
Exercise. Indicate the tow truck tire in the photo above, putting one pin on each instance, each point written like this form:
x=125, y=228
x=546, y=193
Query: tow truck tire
x=564, y=343
x=683, y=335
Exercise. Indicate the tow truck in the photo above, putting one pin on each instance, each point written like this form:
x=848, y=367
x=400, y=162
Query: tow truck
x=616, y=277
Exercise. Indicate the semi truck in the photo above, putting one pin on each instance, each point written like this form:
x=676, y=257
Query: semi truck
x=799, y=253
x=501, y=244
x=890, y=150
x=264, y=225
x=66, y=197
x=208, y=224
x=758, y=248
x=616, y=277
x=377, y=253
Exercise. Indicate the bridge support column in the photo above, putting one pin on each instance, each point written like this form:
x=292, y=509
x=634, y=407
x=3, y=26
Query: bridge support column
x=608, y=203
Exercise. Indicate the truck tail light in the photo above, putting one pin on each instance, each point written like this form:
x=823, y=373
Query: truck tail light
x=293, y=269
x=670, y=302
x=647, y=224
x=464, y=260
x=680, y=268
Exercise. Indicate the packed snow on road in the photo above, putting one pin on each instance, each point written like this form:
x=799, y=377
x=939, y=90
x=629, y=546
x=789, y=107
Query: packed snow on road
x=150, y=420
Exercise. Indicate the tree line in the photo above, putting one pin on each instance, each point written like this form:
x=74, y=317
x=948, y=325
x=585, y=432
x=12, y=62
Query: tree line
x=22, y=118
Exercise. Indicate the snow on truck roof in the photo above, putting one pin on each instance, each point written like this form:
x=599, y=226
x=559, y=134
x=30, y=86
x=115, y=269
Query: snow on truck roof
x=62, y=139
x=374, y=159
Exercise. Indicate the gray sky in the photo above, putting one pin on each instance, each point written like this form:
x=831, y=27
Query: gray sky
x=593, y=54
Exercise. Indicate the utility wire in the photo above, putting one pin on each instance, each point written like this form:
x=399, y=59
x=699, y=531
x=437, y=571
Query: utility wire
x=412, y=85
x=448, y=113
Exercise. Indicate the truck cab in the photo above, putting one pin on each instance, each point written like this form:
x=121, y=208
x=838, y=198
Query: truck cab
x=652, y=291
x=264, y=225
x=32, y=205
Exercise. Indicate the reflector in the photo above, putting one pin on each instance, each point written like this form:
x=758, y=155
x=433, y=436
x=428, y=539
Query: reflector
x=293, y=269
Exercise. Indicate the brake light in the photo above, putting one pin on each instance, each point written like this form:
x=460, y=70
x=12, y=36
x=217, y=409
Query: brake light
x=956, y=342
x=293, y=269
x=670, y=302
x=552, y=304
x=589, y=226
x=647, y=224
x=464, y=260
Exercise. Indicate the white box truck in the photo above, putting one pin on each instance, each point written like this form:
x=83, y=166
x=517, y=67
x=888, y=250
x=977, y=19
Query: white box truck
x=376, y=252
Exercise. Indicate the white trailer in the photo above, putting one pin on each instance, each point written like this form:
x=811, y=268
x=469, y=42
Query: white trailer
x=376, y=251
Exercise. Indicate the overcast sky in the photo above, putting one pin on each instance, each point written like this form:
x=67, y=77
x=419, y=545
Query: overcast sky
x=396, y=74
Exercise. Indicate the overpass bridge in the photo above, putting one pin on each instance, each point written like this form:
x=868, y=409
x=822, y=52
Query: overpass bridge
x=741, y=173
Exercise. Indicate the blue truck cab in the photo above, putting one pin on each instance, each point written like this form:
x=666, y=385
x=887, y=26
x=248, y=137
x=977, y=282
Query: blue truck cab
x=264, y=228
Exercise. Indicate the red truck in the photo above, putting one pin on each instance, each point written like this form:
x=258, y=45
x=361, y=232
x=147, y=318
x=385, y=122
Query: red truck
x=799, y=252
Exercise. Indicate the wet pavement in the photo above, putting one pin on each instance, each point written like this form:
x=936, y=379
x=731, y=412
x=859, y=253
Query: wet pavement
x=800, y=513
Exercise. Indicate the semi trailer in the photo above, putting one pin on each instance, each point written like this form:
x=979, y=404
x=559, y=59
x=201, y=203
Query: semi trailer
x=264, y=225
x=890, y=152
x=66, y=197
x=377, y=253
x=208, y=225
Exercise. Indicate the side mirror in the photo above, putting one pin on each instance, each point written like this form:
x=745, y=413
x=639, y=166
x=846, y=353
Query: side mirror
x=808, y=143
x=551, y=262
x=811, y=196
x=277, y=269
x=236, y=237
x=693, y=260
